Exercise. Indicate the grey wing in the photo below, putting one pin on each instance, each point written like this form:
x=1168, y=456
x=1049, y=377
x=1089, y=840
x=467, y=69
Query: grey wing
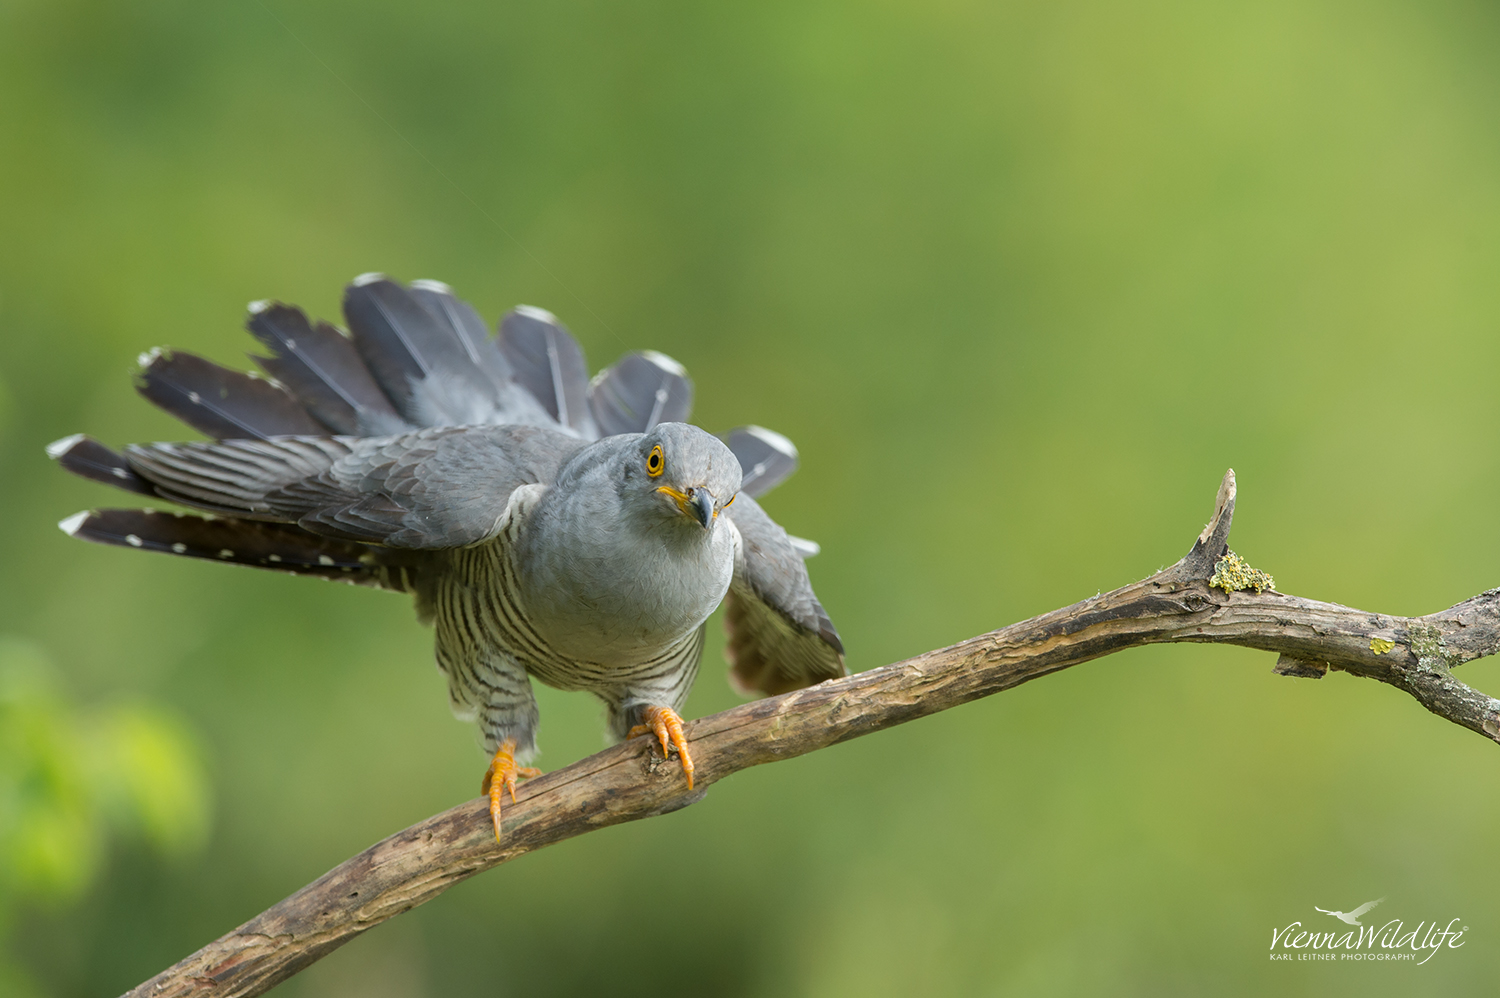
x=436, y=488
x=780, y=638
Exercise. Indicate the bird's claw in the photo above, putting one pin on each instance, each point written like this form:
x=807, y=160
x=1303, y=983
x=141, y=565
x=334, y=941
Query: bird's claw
x=502, y=776
x=666, y=725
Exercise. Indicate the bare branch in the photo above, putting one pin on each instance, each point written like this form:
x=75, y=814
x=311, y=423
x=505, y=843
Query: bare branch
x=628, y=781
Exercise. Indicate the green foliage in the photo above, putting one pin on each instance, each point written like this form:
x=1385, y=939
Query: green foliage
x=74, y=777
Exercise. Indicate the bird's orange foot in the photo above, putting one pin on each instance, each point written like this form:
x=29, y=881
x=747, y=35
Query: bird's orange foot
x=502, y=776
x=666, y=725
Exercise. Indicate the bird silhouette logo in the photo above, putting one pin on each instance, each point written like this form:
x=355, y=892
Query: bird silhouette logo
x=1351, y=917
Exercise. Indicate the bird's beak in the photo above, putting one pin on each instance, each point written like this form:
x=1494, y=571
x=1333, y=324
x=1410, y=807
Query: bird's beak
x=697, y=503
x=702, y=506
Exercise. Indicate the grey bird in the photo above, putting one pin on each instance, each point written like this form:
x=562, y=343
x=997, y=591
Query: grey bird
x=577, y=532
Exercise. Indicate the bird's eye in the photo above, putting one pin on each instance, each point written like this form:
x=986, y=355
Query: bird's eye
x=730, y=502
x=655, y=462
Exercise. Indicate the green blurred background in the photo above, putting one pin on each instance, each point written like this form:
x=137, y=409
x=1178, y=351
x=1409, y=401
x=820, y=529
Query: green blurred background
x=1020, y=279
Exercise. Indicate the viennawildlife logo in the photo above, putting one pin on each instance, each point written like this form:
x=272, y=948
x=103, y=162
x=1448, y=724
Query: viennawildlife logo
x=1360, y=938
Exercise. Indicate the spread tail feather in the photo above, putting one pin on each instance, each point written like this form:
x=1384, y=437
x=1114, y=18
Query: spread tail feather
x=417, y=357
x=88, y=458
x=276, y=546
x=323, y=369
x=424, y=359
x=766, y=457
x=548, y=362
x=218, y=402
x=467, y=328
x=638, y=391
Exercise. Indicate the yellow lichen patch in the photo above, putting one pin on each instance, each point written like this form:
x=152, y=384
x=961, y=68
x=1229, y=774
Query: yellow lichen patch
x=1231, y=574
x=1380, y=645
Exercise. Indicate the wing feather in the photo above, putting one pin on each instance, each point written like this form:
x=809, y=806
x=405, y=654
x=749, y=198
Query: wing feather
x=780, y=637
x=436, y=488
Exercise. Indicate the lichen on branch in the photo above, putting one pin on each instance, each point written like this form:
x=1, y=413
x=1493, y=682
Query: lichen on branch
x=1232, y=574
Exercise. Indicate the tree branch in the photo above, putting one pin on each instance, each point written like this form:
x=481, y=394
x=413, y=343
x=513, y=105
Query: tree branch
x=629, y=781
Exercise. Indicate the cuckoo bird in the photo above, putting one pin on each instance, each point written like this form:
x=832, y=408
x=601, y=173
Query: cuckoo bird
x=548, y=526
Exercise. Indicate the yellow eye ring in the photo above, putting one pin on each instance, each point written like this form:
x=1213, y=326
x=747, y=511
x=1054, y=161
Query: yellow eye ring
x=655, y=463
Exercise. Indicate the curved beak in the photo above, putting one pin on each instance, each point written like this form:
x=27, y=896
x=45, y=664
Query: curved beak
x=697, y=503
x=701, y=505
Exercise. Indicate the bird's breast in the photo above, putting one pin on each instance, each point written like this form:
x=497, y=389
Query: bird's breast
x=616, y=596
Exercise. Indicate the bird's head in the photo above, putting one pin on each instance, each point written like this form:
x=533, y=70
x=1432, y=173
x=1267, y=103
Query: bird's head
x=681, y=473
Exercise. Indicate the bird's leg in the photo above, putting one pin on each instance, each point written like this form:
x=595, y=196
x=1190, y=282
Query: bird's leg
x=502, y=776
x=666, y=725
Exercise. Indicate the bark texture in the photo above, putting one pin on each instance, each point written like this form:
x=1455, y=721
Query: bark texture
x=630, y=781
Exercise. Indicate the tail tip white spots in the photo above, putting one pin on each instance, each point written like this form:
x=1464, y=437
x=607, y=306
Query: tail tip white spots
x=539, y=314
x=225, y=553
x=664, y=362
x=258, y=306
x=179, y=548
x=324, y=560
x=58, y=448
x=133, y=540
x=71, y=524
x=369, y=278
x=149, y=357
x=427, y=284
